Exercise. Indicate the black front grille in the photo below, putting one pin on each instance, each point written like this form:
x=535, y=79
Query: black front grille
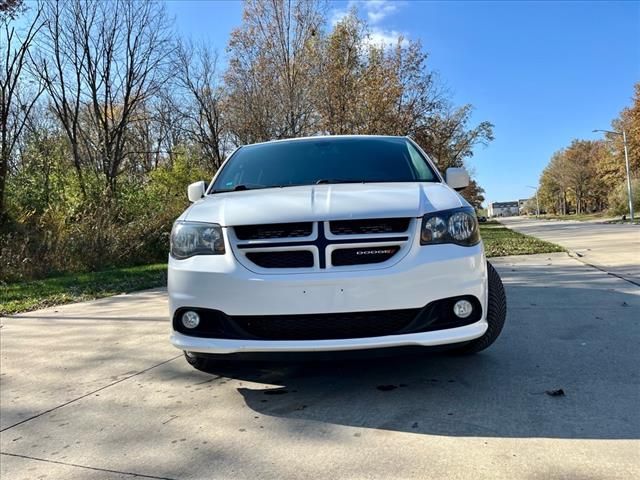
x=273, y=230
x=327, y=326
x=282, y=259
x=362, y=255
x=369, y=226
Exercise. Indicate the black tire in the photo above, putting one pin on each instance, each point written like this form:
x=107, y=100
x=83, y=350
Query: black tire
x=198, y=362
x=496, y=315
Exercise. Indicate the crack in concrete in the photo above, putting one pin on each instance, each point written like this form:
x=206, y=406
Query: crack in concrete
x=98, y=469
x=90, y=393
x=576, y=256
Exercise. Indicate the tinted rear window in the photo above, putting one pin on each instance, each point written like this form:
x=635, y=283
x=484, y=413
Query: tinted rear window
x=324, y=160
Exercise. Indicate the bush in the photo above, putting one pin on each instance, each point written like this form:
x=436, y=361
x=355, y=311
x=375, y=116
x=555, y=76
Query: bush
x=57, y=231
x=619, y=200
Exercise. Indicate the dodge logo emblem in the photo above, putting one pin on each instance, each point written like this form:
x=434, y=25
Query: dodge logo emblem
x=379, y=251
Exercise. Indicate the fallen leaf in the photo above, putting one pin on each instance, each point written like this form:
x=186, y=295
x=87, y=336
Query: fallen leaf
x=386, y=388
x=555, y=393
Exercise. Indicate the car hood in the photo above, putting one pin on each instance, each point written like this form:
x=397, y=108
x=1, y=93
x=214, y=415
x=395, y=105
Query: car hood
x=323, y=202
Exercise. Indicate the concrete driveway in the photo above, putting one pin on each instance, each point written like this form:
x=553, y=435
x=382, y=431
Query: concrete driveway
x=614, y=248
x=94, y=391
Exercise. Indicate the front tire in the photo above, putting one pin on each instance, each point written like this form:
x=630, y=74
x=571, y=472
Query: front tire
x=496, y=315
x=197, y=361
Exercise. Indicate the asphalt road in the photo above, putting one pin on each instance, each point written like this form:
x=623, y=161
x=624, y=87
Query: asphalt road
x=94, y=391
x=614, y=248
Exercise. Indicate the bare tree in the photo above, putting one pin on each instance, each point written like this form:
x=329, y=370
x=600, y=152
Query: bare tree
x=272, y=69
x=205, y=124
x=10, y=9
x=102, y=62
x=17, y=98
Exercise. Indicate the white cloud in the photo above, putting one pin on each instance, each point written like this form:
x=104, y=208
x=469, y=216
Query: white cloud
x=386, y=38
x=375, y=10
x=378, y=10
x=337, y=15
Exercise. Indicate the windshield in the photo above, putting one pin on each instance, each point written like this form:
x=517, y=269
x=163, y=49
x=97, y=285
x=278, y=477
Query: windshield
x=324, y=160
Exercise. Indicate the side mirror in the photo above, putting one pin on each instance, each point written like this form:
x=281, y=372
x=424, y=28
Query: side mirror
x=196, y=191
x=457, y=178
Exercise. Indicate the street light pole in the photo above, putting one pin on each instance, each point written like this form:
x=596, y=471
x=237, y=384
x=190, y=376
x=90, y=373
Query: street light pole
x=626, y=161
x=537, y=203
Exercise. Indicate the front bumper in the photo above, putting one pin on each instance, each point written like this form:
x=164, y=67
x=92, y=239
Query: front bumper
x=223, y=346
x=424, y=275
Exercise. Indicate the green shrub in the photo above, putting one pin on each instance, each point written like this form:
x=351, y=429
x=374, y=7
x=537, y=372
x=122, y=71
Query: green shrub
x=619, y=199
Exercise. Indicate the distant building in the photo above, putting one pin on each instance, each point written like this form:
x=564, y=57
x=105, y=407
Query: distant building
x=503, y=209
x=525, y=206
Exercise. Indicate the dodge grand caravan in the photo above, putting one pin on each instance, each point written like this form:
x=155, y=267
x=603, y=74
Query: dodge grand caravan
x=327, y=244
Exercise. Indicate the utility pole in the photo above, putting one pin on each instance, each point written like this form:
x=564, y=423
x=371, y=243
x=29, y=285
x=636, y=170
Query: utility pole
x=537, y=202
x=626, y=161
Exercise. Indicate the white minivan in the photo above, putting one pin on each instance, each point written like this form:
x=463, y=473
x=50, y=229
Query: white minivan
x=330, y=243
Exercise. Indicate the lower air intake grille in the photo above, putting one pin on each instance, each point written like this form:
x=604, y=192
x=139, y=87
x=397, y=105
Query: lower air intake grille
x=327, y=326
x=362, y=256
x=369, y=226
x=286, y=259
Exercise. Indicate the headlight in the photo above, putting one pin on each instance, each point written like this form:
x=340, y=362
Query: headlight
x=458, y=226
x=194, y=238
x=434, y=230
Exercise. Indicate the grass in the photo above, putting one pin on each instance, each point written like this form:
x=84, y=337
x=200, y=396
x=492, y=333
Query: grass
x=500, y=241
x=24, y=296
x=32, y=295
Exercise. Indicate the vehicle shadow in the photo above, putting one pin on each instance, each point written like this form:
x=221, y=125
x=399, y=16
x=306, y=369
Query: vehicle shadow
x=583, y=341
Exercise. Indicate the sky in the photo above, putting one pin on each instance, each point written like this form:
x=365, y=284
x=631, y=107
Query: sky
x=543, y=73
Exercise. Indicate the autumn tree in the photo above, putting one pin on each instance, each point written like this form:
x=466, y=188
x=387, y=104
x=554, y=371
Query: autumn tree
x=450, y=139
x=612, y=166
x=106, y=115
x=589, y=175
x=571, y=181
x=578, y=172
x=371, y=88
x=338, y=90
x=474, y=194
x=553, y=192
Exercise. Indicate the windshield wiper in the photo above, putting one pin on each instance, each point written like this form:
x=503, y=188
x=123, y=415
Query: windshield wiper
x=239, y=188
x=326, y=181
x=323, y=181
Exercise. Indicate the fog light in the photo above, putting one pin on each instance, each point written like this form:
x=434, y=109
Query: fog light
x=462, y=308
x=190, y=319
